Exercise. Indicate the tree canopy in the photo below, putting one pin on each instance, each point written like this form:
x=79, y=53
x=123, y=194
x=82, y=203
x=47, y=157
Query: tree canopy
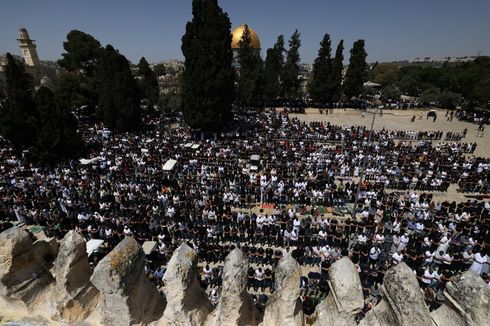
x=337, y=68
x=147, y=82
x=208, y=78
x=321, y=82
x=19, y=118
x=118, y=104
x=274, y=63
x=82, y=52
x=250, y=82
x=291, y=83
x=35, y=121
x=357, y=71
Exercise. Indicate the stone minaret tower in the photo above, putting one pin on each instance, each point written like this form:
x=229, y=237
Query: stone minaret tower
x=29, y=52
x=28, y=48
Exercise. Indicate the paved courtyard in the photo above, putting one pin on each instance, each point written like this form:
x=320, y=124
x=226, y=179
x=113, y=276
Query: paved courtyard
x=401, y=120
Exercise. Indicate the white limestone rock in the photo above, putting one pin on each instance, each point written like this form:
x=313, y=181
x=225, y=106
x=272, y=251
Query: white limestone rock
x=284, y=306
x=467, y=302
x=23, y=274
x=187, y=303
x=127, y=296
x=236, y=305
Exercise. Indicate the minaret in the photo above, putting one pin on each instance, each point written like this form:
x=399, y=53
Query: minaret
x=29, y=52
x=28, y=48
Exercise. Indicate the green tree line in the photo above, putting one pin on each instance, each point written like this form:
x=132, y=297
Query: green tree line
x=448, y=85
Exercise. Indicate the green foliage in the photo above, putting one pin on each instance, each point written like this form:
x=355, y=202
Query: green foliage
x=274, y=63
x=19, y=118
x=321, y=82
x=147, y=82
x=57, y=138
x=250, y=88
x=118, y=105
x=208, y=78
x=392, y=92
x=82, y=52
x=357, y=72
x=337, y=67
x=70, y=92
x=38, y=124
x=290, y=74
x=430, y=95
x=384, y=73
x=449, y=100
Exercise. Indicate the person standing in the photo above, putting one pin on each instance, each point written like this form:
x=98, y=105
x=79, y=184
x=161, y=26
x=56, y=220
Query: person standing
x=479, y=259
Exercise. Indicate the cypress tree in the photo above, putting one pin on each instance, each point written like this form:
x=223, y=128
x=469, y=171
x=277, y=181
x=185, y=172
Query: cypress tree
x=19, y=117
x=147, y=82
x=208, y=78
x=274, y=63
x=250, y=80
x=357, y=72
x=118, y=104
x=290, y=74
x=320, y=86
x=57, y=138
x=337, y=67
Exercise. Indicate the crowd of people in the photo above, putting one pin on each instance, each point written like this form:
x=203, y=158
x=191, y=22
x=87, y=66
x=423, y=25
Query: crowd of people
x=210, y=198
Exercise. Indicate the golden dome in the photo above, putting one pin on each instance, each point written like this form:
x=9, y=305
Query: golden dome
x=237, y=37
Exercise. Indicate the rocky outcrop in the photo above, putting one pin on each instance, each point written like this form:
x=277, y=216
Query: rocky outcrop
x=403, y=301
x=24, y=271
x=126, y=295
x=467, y=302
x=235, y=306
x=120, y=293
x=187, y=303
x=345, y=299
x=284, y=306
x=74, y=296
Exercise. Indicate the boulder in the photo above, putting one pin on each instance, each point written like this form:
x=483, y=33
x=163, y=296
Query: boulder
x=284, y=306
x=236, y=305
x=467, y=302
x=23, y=274
x=187, y=303
x=345, y=298
x=75, y=296
x=127, y=296
x=71, y=268
x=404, y=301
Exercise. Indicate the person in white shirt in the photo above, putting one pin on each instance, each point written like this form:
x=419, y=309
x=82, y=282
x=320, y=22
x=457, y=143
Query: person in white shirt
x=208, y=274
x=296, y=224
x=294, y=237
x=430, y=277
x=361, y=238
x=397, y=258
x=478, y=261
x=403, y=242
x=429, y=258
x=444, y=243
x=259, y=279
x=374, y=255
x=322, y=236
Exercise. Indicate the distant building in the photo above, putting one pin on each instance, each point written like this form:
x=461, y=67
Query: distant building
x=443, y=59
